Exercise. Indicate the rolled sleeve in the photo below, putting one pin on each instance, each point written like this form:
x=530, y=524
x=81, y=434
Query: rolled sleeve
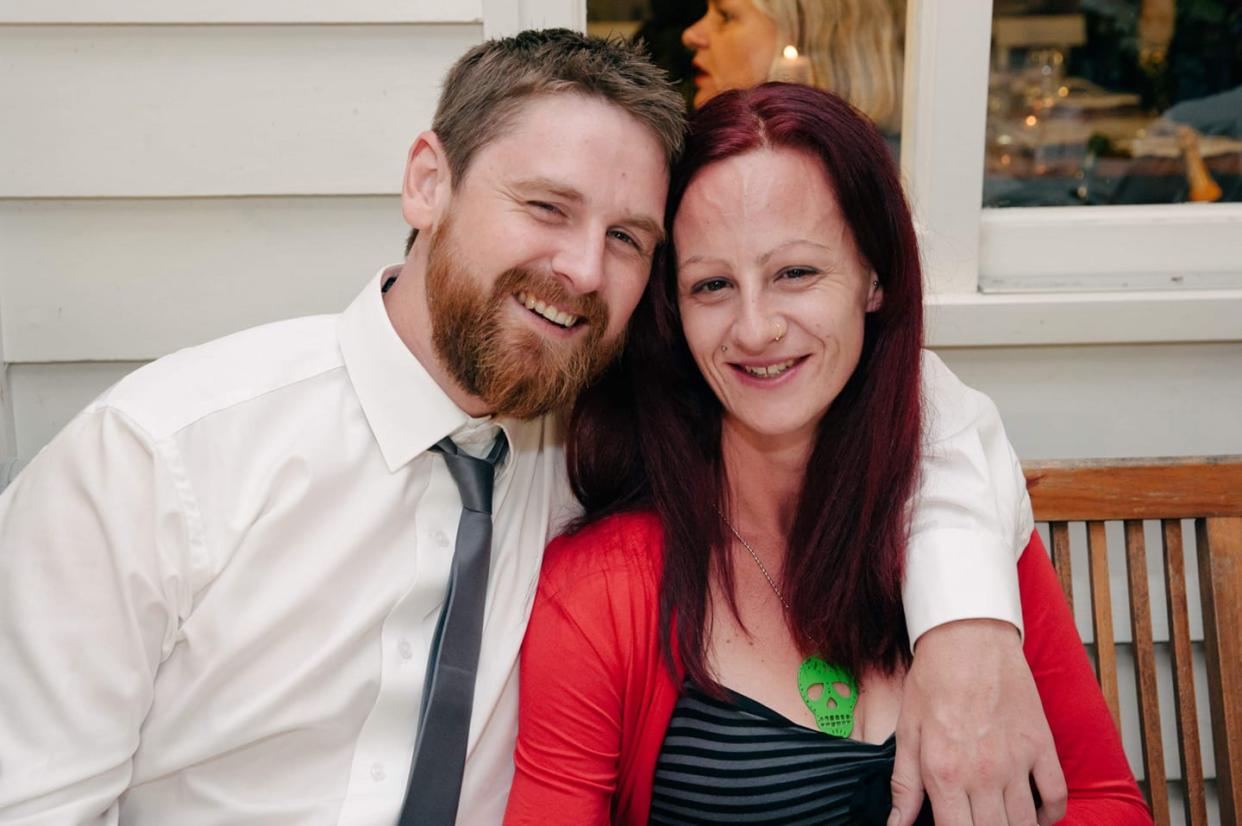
x=971, y=517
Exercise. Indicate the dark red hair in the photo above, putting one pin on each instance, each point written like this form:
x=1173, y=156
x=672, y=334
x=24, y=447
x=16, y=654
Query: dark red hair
x=648, y=435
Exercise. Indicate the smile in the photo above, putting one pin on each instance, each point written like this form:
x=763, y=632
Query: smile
x=547, y=311
x=768, y=372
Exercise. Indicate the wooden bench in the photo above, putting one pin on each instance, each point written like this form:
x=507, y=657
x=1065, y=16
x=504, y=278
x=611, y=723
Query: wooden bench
x=1209, y=491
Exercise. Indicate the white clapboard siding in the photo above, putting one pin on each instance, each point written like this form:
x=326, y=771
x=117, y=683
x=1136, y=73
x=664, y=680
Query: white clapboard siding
x=241, y=11
x=1111, y=401
x=139, y=111
x=132, y=279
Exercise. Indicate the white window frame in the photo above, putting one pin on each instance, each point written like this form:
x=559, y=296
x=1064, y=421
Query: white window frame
x=1104, y=274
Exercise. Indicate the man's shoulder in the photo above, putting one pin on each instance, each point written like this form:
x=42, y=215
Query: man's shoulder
x=179, y=389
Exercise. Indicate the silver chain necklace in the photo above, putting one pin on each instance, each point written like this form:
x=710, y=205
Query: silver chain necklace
x=763, y=569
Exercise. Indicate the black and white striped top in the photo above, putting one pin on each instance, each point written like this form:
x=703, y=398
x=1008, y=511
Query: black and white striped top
x=738, y=761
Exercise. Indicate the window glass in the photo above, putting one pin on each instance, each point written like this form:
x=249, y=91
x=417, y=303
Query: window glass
x=1114, y=102
x=851, y=47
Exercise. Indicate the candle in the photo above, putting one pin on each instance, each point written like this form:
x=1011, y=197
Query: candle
x=792, y=67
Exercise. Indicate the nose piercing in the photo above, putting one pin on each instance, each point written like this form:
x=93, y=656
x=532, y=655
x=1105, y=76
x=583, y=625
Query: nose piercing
x=724, y=348
x=780, y=329
x=875, y=283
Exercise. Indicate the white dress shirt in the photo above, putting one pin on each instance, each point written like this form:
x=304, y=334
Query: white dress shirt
x=219, y=584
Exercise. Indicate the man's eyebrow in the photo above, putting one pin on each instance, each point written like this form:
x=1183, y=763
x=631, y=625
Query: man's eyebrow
x=557, y=188
x=648, y=226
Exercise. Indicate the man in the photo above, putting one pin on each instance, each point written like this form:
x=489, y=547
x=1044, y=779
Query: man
x=223, y=585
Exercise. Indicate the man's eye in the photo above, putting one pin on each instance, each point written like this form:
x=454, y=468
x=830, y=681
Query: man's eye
x=544, y=206
x=625, y=238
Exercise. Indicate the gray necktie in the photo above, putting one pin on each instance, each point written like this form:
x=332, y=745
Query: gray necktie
x=448, y=690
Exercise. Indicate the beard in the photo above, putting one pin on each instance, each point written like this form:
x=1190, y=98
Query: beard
x=513, y=369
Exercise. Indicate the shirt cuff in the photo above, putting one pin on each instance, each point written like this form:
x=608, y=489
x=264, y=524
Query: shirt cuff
x=976, y=569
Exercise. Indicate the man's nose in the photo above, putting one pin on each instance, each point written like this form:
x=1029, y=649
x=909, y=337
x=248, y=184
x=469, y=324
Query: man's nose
x=580, y=263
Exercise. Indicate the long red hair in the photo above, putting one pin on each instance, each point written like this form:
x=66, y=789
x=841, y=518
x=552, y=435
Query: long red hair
x=648, y=435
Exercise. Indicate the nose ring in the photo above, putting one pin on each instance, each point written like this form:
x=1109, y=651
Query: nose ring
x=780, y=329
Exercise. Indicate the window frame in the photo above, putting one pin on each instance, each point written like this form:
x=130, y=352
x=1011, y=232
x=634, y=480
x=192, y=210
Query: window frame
x=969, y=249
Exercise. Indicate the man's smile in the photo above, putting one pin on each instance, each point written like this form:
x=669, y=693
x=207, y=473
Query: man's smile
x=549, y=311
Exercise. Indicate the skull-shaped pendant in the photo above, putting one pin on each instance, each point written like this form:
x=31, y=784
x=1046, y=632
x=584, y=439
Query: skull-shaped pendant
x=831, y=693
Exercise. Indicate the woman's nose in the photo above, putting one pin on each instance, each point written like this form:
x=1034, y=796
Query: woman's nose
x=757, y=326
x=694, y=37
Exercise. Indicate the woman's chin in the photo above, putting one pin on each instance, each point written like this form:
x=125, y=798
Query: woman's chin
x=777, y=429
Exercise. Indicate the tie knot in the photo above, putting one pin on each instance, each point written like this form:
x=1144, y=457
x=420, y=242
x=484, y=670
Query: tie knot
x=474, y=477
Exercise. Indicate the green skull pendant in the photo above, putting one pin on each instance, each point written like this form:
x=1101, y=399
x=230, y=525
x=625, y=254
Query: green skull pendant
x=831, y=693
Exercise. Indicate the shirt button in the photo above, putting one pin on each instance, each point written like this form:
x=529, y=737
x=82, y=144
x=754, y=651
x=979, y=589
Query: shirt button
x=442, y=539
x=377, y=772
x=406, y=650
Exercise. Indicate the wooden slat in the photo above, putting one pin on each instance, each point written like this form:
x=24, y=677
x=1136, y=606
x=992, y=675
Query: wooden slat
x=1102, y=617
x=1220, y=582
x=1183, y=674
x=1145, y=672
x=1136, y=489
x=1061, y=559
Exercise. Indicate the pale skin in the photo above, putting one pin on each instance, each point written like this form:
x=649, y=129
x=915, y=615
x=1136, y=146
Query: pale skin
x=775, y=284
x=576, y=189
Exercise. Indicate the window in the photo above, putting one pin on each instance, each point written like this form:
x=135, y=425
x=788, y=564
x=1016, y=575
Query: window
x=1100, y=102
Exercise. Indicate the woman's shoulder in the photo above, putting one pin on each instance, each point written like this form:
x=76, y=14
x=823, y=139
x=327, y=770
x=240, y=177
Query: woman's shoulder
x=617, y=554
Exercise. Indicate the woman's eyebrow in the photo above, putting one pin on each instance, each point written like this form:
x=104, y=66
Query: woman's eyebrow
x=763, y=259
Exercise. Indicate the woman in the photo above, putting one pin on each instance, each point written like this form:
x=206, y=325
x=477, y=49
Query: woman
x=853, y=48
x=723, y=637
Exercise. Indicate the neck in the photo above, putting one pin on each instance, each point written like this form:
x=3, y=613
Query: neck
x=406, y=305
x=763, y=476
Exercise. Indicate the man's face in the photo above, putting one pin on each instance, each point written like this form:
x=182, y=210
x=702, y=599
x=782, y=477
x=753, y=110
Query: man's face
x=543, y=253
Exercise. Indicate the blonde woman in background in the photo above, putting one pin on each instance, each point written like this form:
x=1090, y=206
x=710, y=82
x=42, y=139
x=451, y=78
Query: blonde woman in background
x=853, y=48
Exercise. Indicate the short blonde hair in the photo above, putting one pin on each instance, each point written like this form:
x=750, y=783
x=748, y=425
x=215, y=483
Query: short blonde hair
x=854, y=47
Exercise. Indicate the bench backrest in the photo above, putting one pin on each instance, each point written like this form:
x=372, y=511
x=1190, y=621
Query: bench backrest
x=1209, y=491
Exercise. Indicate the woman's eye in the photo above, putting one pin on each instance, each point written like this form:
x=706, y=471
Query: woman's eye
x=798, y=272
x=711, y=285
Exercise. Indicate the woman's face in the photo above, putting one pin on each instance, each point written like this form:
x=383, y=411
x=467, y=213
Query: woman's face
x=733, y=44
x=764, y=251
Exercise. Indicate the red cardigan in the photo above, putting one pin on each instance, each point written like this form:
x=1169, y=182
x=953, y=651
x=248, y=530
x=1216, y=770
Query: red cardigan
x=596, y=698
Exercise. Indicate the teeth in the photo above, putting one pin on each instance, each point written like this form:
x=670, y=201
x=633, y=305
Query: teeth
x=770, y=370
x=549, y=312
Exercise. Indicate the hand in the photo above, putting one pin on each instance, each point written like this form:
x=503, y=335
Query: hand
x=972, y=732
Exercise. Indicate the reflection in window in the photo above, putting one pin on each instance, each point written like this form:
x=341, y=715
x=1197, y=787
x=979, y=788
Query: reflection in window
x=1114, y=102
x=851, y=47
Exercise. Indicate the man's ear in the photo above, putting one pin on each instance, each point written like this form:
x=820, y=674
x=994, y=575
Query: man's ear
x=875, y=294
x=428, y=184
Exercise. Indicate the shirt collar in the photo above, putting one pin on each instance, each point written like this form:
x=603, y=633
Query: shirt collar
x=407, y=410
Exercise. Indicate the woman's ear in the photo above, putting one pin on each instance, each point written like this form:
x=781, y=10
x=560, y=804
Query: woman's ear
x=427, y=185
x=875, y=294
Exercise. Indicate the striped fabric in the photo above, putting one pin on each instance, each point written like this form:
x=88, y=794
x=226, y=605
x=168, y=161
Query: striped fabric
x=738, y=761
